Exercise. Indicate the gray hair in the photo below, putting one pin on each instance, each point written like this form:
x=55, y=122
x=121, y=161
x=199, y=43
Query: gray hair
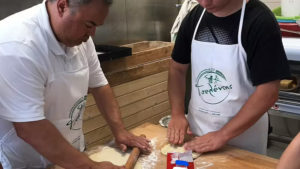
x=83, y=2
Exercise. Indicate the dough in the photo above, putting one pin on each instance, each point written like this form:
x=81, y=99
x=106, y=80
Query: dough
x=286, y=84
x=114, y=156
x=176, y=149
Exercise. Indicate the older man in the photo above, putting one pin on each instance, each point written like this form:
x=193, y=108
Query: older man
x=47, y=63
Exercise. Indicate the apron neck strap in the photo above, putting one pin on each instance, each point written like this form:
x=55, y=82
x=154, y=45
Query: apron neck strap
x=198, y=23
x=240, y=24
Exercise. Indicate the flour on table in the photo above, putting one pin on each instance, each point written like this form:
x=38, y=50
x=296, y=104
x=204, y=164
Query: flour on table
x=150, y=161
x=114, y=156
x=176, y=149
x=119, y=158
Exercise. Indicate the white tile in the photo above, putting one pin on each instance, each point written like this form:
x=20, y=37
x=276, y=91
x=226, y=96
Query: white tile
x=272, y=5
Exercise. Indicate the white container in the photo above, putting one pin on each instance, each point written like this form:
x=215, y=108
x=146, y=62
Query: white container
x=290, y=8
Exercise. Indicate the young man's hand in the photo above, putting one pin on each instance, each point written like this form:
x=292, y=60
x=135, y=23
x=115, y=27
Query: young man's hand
x=209, y=142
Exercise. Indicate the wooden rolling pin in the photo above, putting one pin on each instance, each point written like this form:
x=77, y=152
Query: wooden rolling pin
x=134, y=155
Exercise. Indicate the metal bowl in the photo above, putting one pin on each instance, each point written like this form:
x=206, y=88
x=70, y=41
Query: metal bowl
x=165, y=121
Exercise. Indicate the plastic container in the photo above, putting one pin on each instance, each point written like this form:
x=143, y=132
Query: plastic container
x=181, y=164
x=289, y=29
x=290, y=8
x=278, y=14
x=180, y=160
x=288, y=25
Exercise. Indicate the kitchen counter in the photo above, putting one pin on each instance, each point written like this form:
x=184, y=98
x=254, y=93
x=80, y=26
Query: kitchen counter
x=227, y=158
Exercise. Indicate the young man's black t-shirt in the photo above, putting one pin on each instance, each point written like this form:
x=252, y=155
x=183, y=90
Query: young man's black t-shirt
x=261, y=39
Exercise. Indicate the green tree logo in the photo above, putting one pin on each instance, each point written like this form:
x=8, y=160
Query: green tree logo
x=212, y=86
x=76, y=113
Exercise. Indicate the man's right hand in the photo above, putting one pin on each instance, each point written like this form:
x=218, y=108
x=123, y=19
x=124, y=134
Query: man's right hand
x=107, y=165
x=177, y=129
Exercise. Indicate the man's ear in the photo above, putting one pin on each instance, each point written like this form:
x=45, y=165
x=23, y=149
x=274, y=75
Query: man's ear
x=62, y=6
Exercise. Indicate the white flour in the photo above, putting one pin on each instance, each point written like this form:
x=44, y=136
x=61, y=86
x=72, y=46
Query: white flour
x=149, y=161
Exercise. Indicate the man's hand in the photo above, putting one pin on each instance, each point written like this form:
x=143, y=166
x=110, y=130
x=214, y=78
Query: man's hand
x=125, y=138
x=177, y=129
x=109, y=108
x=209, y=142
x=107, y=165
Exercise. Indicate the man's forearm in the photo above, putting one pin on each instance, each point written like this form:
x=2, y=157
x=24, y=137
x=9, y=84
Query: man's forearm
x=259, y=102
x=47, y=140
x=109, y=107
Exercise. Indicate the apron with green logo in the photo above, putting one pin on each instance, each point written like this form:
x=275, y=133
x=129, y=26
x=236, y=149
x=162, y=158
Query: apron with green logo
x=220, y=87
x=68, y=92
x=65, y=99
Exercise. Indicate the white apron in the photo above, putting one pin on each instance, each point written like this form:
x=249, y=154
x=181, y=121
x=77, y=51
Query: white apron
x=65, y=99
x=220, y=87
x=69, y=92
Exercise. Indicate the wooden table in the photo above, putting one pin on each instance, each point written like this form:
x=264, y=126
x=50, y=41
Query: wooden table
x=226, y=158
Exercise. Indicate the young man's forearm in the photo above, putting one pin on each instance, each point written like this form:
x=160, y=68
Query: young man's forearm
x=176, y=87
x=259, y=102
x=290, y=156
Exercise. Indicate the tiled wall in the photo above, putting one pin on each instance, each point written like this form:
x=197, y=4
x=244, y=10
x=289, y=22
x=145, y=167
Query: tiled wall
x=272, y=3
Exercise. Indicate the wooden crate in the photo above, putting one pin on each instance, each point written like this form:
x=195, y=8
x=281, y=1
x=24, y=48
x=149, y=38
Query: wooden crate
x=146, y=47
x=142, y=100
x=142, y=52
x=139, y=83
x=148, y=57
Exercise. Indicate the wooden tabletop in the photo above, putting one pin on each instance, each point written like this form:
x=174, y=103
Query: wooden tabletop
x=226, y=158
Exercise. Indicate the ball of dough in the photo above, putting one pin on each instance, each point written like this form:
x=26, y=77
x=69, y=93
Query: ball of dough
x=168, y=148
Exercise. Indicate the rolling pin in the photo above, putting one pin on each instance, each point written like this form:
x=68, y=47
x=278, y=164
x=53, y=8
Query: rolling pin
x=134, y=155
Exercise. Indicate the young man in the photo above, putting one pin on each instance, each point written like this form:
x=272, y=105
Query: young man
x=290, y=157
x=237, y=59
x=47, y=63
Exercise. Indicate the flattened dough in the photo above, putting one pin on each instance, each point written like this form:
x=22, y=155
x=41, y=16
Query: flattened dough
x=168, y=148
x=114, y=156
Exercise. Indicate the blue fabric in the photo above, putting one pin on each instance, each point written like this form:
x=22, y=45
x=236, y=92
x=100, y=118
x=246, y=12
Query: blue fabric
x=286, y=21
x=182, y=163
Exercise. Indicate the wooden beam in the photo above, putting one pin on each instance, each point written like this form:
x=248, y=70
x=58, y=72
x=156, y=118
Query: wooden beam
x=148, y=113
x=136, y=59
x=105, y=140
x=134, y=73
x=140, y=83
x=142, y=94
x=99, y=121
x=133, y=86
x=144, y=104
x=93, y=111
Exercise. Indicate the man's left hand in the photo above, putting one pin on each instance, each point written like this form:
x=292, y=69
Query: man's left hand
x=209, y=142
x=125, y=138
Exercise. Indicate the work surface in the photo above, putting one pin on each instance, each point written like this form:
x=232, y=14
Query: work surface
x=226, y=158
